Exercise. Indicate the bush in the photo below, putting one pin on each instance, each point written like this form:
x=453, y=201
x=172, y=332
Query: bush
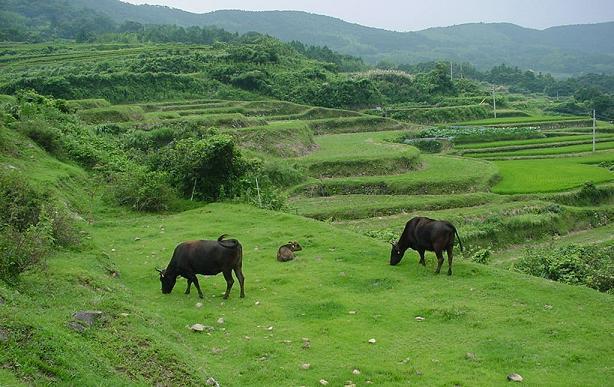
x=482, y=256
x=209, y=169
x=590, y=266
x=45, y=136
x=31, y=224
x=143, y=190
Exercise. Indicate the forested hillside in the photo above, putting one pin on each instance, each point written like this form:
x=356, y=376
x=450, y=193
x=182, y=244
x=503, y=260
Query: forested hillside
x=564, y=50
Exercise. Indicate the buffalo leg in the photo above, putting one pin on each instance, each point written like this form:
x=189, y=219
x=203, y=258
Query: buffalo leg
x=421, y=252
x=229, y=282
x=241, y=278
x=439, y=260
x=450, y=260
x=187, y=291
x=195, y=281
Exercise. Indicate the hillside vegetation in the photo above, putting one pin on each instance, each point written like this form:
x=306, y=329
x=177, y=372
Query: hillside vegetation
x=564, y=50
x=113, y=153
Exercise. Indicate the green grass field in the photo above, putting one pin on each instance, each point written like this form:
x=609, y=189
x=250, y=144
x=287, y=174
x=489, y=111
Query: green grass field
x=547, y=175
x=521, y=120
x=534, y=141
x=439, y=174
x=562, y=150
x=339, y=293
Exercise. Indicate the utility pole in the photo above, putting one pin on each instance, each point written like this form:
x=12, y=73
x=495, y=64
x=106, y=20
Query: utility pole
x=594, y=129
x=494, y=103
x=461, y=70
x=451, y=70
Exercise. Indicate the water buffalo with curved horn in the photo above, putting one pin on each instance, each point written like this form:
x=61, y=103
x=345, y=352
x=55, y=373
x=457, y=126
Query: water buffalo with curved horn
x=206, y=257
x=422, y=234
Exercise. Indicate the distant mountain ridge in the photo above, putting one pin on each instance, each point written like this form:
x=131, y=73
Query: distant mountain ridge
x=563, y=50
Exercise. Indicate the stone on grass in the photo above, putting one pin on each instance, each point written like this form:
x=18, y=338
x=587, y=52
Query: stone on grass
x=323, y=382
x=4, y=336
x=220, y=320
x=201, y=327
x=124, y=314
x=420, y=318
x=514, y=378
x=199, y=304
x=212, y=382
x=76, y=326
x=87, y=317
x=372, y=341
x=306, y=343
x=470, y=356
x=137, y=239
x=352, y=312
x=305, y=366
x=356, y=371
x=269, y=328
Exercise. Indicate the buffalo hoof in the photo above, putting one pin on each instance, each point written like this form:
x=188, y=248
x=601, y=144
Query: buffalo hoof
x=242, y=295
x=200, y=296
x=225, y=296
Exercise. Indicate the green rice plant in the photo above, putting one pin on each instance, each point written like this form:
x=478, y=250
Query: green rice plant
x=547, y=175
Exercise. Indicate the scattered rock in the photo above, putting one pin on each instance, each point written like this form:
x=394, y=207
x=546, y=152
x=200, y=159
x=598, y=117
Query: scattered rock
x=470, y=356
x=257, y=303
x=368, y=382
x=199, y=304
x=137, y=239
x=349, y=383
x=305, y=366
x=197, y=327
x=352, y=312
x=405, y=361
x=514, y=378
x=323, y=382
x=419, y=373
x=356, y=371
x=269, y=328
x=112, y=250
x=4, y=336
x=306, y=343
x=216, y=351
x=212, y=382
x=420, y=318
x=124, y=314
x=220, y=320
x=88, y=317
x=372, y=341
x=547, y=307
x=247, y=337
x=76, y=326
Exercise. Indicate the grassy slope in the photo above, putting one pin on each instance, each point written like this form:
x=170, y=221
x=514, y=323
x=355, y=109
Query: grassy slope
x=497, y=315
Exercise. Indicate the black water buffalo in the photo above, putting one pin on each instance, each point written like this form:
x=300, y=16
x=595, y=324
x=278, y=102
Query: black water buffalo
x=423, y=234
x=286, y=252
x=205, y=257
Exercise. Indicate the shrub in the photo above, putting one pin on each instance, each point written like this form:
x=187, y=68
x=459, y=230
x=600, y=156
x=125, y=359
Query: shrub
x=482, y=256
x=590, y=266
x=143, y=190
x=31, y=224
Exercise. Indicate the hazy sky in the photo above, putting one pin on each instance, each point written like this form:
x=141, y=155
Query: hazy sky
x=413, y=15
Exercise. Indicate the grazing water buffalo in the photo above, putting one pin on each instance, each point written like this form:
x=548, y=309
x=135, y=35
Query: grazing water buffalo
x=423, y=234
x=205, y=257
x=286, y=252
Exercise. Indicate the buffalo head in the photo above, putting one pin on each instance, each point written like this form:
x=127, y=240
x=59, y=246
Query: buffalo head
x=395, y=254
x=167, y=281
